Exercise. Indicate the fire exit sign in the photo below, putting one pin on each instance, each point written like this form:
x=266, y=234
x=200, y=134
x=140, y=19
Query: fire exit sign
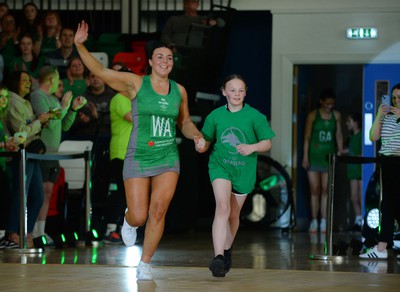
x=362, y=33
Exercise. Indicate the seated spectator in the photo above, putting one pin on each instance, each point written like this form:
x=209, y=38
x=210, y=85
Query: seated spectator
x=1, y=68
x=4, y=10
x=76, y=80
x=118, y=66
x=8, y=40
x=62, y=56
x=176, y=30
x=30, y=20
x=28, y=61
x=100, y=95
x=48, y=34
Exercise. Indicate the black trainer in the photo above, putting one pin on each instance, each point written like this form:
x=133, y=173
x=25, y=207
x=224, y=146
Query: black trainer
x=227, y=259
x=8, y=244
x=217, y=266
x=355, y=228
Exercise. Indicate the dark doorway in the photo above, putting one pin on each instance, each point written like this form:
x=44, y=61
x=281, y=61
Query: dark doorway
x=346, y=81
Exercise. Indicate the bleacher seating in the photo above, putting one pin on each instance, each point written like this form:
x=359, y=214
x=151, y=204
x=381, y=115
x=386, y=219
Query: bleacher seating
x=136, y=61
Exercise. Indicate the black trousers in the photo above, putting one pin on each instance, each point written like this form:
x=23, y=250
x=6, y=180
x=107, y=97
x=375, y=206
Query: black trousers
x=116, y=201
x=390, y=205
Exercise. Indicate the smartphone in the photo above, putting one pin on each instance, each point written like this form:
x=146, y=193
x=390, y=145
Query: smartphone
x=386, y=100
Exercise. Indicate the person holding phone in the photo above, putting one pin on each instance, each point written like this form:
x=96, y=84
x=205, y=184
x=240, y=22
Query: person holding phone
x=386, y=127
x=386, y=100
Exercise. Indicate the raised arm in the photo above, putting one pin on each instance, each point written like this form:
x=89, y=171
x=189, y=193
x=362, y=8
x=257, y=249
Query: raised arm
x=375, y=131
x=120, y=81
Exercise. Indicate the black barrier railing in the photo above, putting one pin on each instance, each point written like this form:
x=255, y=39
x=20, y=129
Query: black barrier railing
x=22, y=155
x=332, y=160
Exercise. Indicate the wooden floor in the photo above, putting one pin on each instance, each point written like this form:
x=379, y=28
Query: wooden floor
x=262, y=261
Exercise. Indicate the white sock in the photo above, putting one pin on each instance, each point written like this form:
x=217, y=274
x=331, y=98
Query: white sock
x=39, y=228
x=111, y=228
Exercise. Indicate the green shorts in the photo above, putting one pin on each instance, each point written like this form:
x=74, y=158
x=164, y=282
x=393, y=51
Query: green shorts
x=240, y=184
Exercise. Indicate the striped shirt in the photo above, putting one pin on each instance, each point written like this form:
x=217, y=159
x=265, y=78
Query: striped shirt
x=390, y=136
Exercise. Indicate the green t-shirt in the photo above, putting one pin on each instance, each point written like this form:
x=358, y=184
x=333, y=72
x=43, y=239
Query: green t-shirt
x=121, y=129
x=355, y=149
x=77, y=88
x=229, y=129
x=19, y=64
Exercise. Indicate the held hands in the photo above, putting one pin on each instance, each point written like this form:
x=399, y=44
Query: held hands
x=81, y=34
x=199, y=144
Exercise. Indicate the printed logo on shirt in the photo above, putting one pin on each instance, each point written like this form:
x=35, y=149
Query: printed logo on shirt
x=232, y=137
x=162, y=127
x=325, y=136
x=163, y=104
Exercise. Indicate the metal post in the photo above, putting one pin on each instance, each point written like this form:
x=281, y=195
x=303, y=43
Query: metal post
x=329, y=213
x=87, y=192
x=23, y=213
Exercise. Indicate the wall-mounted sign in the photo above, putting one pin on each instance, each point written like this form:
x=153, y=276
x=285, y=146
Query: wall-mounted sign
x=362, y=33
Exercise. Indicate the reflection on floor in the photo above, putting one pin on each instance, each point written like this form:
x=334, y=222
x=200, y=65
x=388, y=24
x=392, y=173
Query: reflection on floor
x=254, y=249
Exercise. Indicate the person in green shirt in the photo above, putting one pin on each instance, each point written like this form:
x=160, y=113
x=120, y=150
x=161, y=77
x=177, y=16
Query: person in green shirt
x=323, y=135
x=76, y=80
x=353, y=123
x=240, y=132
x=28, y=61
x=63, y=113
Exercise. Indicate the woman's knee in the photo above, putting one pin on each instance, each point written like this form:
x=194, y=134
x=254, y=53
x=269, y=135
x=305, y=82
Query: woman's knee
x=136, y=218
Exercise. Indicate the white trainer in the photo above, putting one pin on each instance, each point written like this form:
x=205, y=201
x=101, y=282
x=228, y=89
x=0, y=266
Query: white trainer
x=143, y=272
x=128, y=234
x=374, y=253
x=313, y=226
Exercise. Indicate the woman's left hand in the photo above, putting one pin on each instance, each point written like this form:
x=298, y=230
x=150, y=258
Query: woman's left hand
x=81, y=34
